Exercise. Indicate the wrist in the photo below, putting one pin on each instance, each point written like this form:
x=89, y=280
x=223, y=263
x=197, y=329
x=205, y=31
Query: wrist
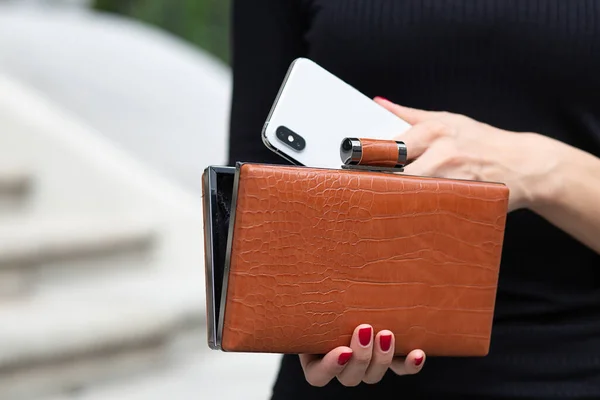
x=543, y=171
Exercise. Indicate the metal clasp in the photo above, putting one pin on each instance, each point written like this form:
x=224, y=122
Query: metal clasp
x=352, y=153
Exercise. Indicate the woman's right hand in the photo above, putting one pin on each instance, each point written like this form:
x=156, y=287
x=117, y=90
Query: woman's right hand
x=366, y=360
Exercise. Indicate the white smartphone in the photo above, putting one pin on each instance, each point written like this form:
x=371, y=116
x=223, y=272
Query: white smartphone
x=315, y=110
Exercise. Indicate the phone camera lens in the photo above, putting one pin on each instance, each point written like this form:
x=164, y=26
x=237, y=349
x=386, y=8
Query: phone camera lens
x=290, y=138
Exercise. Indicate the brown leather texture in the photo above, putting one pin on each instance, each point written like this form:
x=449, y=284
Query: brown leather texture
x=317, y=252
x=382, y=153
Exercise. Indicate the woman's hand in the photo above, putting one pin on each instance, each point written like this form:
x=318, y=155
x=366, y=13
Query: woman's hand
x=366, y=360
x=447, y=145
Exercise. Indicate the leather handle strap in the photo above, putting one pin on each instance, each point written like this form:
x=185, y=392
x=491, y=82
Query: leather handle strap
x=373, y=152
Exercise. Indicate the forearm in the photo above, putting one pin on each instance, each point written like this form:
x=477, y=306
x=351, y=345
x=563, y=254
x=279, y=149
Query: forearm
x=567, y=194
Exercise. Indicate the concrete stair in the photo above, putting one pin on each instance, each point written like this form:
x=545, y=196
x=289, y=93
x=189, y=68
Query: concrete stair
x=63, y=345
x=34, y=251
x=204, y=375
x=28, y=243
x=63, y=341
x=101, y=260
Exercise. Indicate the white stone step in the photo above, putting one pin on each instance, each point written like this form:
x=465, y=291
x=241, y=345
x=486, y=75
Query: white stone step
x=203, y=374
x=63, y=341
x=37, y=250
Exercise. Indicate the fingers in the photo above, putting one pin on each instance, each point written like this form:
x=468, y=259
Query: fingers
x=383, y=354
x=362, y=349
x=427, y=164
x=411, y=115
x=427, y=127
x=320, y=370
x=366, y=360
x=422, y=135
x=409, y=365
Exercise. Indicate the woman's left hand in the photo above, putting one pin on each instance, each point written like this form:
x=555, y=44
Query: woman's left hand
x=447, y=145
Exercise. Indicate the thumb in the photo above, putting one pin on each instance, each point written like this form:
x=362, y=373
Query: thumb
x=411, y=115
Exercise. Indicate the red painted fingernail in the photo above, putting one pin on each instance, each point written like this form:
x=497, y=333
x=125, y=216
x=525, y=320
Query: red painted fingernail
x=418, y=360
x=385, y=341
x=344, y=358
x=364, y=336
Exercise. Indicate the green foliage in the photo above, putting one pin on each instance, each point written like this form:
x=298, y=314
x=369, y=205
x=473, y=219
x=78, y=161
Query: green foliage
x=204, y=23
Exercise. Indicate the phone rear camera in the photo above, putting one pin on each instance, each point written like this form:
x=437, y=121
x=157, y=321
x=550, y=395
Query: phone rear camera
x=290, y=138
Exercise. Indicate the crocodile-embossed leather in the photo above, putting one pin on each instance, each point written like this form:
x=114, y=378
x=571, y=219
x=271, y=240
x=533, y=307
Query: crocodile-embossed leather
x=383, y=153
x=317, y=252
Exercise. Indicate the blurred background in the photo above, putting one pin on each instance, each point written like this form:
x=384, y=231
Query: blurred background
x=109, y=112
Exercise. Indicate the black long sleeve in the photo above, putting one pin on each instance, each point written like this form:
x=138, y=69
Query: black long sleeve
x=267, y=37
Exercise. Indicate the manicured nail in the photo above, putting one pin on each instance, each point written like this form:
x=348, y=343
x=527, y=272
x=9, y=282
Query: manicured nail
x=418, y=360
x=385, y=341
x=381, y=98
x=344, y=358
x=364, y=336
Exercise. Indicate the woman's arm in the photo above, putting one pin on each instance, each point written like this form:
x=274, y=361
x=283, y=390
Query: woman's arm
x=559, y=182
x=267, y=35
x=568, y=194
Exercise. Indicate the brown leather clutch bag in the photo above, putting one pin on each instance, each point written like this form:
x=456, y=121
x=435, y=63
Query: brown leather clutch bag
x=297, y=257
